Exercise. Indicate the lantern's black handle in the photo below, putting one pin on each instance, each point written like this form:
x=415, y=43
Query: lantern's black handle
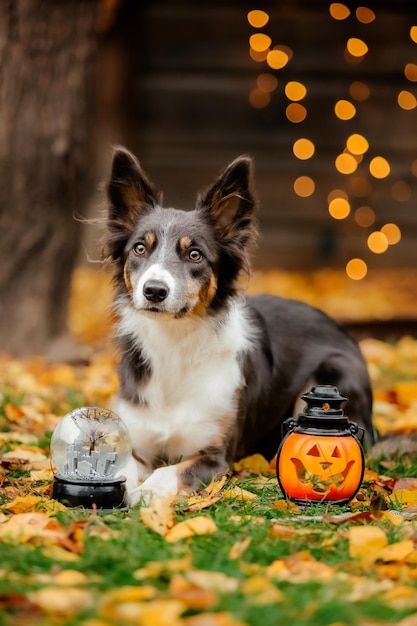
x=357, y=431
x=288, y=425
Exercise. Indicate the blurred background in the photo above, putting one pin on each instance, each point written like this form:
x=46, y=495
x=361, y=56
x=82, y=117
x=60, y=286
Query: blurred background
x=323, y=95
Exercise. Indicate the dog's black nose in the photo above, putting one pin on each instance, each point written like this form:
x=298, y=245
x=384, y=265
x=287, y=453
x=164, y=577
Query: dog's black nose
x=155, y=290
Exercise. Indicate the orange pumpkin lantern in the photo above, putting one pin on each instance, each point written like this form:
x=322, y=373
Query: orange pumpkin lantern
x=321, y=457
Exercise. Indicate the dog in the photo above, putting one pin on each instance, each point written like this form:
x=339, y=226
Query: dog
x=207, y=375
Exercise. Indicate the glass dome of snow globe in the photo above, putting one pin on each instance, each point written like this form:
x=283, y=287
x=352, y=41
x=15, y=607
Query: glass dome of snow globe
x=90, y=448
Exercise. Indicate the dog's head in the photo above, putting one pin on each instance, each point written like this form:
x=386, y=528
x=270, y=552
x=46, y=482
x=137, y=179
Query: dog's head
x=179, y=262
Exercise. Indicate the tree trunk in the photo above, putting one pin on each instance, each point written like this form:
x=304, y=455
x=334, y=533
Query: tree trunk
x=47, y=93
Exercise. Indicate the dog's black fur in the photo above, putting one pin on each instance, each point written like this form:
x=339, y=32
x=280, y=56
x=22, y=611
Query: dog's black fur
x=287, y=346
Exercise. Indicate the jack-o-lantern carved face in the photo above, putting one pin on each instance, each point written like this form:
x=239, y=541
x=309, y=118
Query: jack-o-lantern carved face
x=320, y=467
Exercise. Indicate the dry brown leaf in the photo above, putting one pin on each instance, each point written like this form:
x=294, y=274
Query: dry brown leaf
x=408, y=483
x=159, y=515
x=200, y=525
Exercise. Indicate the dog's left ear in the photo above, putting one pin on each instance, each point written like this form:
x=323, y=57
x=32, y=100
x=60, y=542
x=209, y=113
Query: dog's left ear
x=231, y=201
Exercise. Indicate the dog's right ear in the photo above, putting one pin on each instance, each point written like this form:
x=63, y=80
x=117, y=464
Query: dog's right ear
x=129, y=189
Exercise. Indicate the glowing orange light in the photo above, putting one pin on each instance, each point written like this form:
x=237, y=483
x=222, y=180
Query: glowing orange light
x=357, y=144
x=304, y=186
x=257, y=19
x=344, y=110
x=259, y=99
x=410, y=72
x=277, y=59
x=260, y=42
x=339, y=11
x=356, y=47
x=359, y=91
x=365, y=15
x=377, y=242
x=356, y=269
x=267, y=82
x=392, y=233
x=303, y=149
x=295, y=91
x=296, y=112
x=413, y=33
x=365, y=216
x=339, y=208
x=346, y=163
x=379, y=167
x=407, y=100
x=401, y=191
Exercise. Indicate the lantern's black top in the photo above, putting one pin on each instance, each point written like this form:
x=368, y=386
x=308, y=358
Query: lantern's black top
x=324, y=411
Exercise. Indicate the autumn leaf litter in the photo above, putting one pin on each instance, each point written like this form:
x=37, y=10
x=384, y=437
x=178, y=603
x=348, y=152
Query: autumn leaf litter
x=234, y=554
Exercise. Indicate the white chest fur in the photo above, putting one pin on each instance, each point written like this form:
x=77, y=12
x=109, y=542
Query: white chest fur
x=191, y=395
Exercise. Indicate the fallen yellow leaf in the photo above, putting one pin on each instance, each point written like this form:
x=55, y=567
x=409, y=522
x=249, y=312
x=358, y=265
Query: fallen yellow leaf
x=212, y=619
x=23, y=527
x=256, y=464
x=193, y=595
x=299, y=568
x=238, y=493
x=239, y=548
x=261, y=591
x=398, y=551
x=200, y=525
x=365, y=542
x=405, y=497
x=207, y=497
x=25, y=504
x=70, y=578
x=68, y=601
x=159, y=515
x=129, y=593
x=215, y=581
x=161, y=613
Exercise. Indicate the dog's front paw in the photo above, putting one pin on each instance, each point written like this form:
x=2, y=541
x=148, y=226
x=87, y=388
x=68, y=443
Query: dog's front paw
x=162, y=482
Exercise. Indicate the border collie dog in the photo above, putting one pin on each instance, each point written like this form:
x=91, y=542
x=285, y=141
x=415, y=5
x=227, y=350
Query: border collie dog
x=206, y=374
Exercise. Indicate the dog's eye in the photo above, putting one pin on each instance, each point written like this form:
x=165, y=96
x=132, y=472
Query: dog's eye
x=195, y=255
x=139, y=248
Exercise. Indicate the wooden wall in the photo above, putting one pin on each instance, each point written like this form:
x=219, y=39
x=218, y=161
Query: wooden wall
x=190, y=115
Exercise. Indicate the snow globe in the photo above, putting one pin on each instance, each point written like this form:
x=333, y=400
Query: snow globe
x=90, y=447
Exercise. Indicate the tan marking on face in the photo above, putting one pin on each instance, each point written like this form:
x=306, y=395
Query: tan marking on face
x=150, y=239
x=185, y=242
x=205, y=296
x=128, y=282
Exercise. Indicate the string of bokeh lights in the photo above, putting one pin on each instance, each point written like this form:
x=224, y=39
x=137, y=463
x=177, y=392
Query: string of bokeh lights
x=355, y=152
